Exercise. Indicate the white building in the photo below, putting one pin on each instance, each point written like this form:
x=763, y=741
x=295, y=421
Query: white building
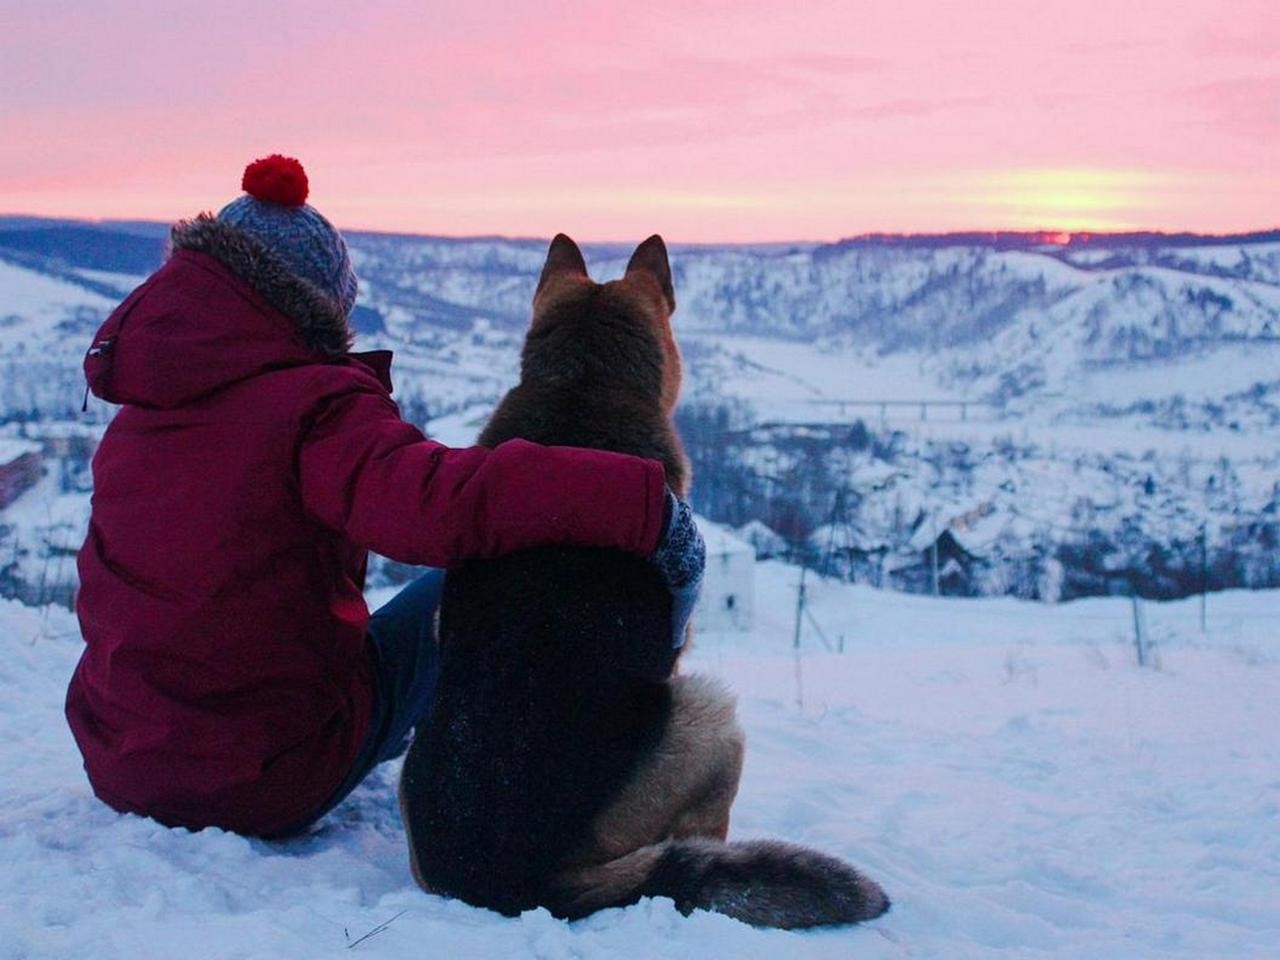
x=766, y=541
x=728, y=586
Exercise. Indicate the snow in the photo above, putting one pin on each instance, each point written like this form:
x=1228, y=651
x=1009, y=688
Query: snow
x=795, y=380
x=46, y=526
x=764, y=540
x=1019, y=786
x=11, y=450
x=727, y=600
x=460, y=429
x=31, y=295
x=721, y=540
x=1227, y=369
x=123, y=282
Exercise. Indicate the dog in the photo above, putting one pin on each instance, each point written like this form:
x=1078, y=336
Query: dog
x=564, y=764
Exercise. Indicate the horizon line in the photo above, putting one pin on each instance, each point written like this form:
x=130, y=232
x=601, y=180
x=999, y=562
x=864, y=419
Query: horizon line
x=1049, y=236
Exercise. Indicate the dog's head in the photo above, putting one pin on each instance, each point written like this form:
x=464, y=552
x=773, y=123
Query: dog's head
x=641, y=302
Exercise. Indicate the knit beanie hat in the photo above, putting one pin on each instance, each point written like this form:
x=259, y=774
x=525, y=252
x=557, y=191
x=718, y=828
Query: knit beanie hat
x=274, y=211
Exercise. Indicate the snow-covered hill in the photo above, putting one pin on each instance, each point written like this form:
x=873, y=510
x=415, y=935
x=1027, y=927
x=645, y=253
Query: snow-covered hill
x=1103, y=396
x=1019, y=786
x=1047, y=330
x=1093, y=325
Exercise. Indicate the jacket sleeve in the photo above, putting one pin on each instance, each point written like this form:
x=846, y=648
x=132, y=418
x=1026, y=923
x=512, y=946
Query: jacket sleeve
x=364, y=471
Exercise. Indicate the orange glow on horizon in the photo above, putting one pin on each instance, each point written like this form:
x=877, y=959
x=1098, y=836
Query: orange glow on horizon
x=1058, y=203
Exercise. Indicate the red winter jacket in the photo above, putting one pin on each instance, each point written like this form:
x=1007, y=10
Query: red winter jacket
x=225, y=679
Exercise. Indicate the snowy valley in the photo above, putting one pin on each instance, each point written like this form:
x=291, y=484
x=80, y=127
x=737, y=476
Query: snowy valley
x=1011, y=414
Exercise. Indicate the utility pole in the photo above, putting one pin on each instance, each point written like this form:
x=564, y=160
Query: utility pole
x=795, y=647
x=1204, y=577
x=933, y=551
x=1139, y=630
x=804, y=568
x=837, y=517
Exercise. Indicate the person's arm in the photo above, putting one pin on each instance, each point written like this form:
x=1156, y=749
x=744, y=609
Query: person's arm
x=366, y=472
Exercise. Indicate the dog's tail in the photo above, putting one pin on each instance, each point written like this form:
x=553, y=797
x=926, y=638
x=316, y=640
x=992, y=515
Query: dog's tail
x=766, y=883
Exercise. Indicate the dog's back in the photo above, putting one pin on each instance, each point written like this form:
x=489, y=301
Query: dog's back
x=549, y=698
x=553, y=661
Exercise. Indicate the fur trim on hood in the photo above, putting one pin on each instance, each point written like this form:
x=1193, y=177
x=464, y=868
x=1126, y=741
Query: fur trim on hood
x=320, y=321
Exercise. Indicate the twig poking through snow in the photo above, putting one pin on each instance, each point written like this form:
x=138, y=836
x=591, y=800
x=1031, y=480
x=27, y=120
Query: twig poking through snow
x=375, y=931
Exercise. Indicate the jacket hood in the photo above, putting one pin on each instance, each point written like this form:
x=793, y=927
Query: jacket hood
x=318, y=318
x=220, y=309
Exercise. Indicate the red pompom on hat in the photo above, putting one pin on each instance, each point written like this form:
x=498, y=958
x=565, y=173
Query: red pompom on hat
x=273, y=211
x=276, y=179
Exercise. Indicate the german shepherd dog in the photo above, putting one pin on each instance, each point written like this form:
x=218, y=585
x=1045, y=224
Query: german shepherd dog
x=563, y=765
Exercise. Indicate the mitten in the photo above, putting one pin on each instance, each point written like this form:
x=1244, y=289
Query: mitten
x=680, y=558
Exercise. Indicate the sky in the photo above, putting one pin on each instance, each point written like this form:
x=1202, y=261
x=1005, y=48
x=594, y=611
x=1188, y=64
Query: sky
x=749, y=120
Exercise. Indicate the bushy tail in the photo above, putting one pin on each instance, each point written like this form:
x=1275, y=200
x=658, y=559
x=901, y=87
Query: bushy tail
x=766, y=883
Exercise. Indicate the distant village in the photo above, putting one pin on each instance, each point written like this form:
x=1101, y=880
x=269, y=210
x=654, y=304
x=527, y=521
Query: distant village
x=45, y=483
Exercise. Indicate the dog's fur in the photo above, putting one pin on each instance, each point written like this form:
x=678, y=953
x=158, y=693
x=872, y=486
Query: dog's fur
x=563, y=765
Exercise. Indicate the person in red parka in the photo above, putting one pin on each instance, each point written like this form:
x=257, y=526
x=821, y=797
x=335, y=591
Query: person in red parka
x=232, y=674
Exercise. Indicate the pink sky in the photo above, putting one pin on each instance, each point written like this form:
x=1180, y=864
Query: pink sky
x=705, y=121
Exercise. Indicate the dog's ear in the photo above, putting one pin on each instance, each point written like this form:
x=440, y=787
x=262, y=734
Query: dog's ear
x=651, y=258
x=563, y=258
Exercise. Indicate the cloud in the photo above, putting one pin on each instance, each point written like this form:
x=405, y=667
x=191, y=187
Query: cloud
x=1248, y=106
x=908, y=107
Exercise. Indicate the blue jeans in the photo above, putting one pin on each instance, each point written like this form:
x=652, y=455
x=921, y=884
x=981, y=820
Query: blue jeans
x=406, y=664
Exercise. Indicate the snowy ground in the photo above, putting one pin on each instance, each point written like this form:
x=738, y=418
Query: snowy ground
x=1020, y=787
x=788, y=381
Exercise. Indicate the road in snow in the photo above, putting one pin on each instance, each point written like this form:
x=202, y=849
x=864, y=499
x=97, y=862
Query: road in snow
x=1020, y=787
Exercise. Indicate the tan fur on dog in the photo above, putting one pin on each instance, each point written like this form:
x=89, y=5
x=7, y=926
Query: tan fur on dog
x=685, y=789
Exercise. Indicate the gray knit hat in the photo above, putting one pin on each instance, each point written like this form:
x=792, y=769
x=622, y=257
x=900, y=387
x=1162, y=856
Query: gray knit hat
x=274, y=211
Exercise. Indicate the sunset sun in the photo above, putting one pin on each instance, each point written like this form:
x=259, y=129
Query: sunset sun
x=1080, y=199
